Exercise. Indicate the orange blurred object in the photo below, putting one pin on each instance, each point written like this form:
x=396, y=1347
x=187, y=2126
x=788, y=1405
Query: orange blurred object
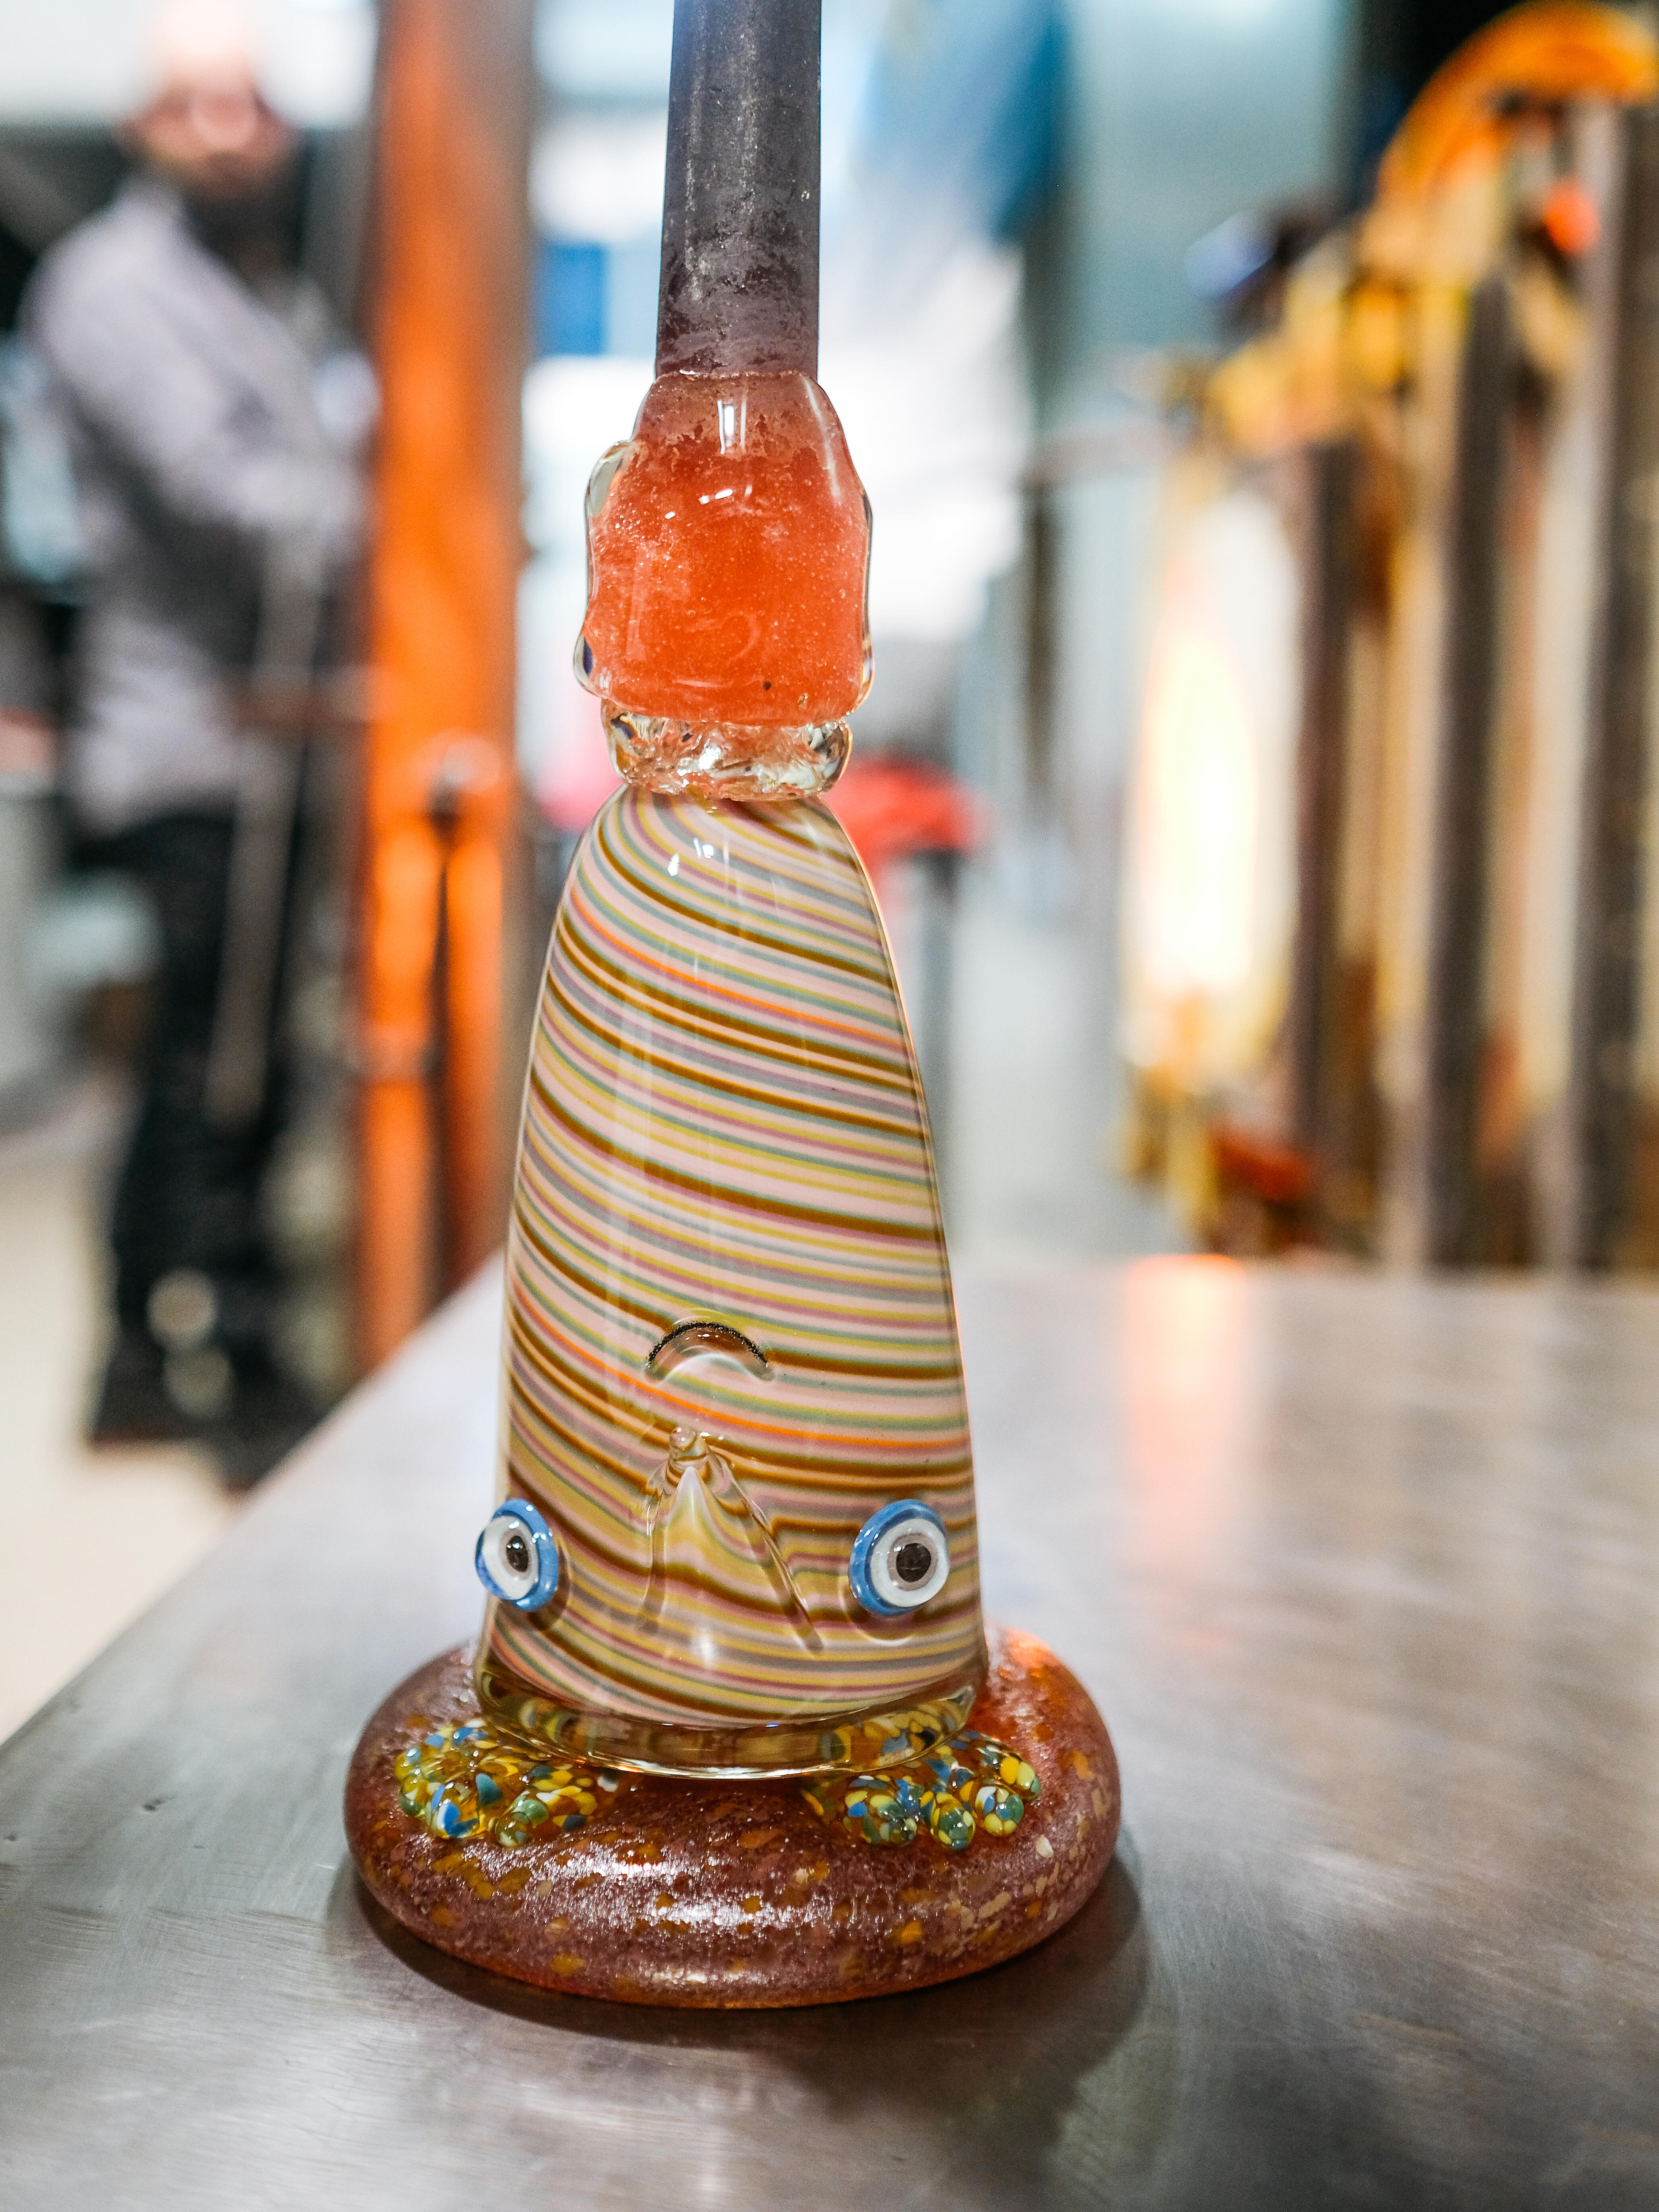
x=894, y=808
x=1275, y=1173
x=1572, y=220
x=439, y=784
x=728, y=542
x=1552, y=50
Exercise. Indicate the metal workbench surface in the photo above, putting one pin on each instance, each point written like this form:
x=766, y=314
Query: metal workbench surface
x=1364, y=1574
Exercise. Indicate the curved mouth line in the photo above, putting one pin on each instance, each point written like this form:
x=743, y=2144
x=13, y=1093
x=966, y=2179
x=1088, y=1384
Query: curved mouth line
x=687, y=1338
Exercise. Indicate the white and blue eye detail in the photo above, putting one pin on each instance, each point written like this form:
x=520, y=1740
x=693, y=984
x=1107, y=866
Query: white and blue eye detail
x=516, y=1559
x=900, y=1559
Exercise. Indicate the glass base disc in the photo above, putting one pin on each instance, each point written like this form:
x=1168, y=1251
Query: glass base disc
x=735, y=1895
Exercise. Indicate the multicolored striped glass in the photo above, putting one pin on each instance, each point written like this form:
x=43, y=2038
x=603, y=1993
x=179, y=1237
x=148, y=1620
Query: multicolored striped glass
x=730, y=1336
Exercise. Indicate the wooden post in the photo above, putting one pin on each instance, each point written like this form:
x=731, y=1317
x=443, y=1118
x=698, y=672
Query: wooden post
x=1611, y=1200
x=450, y=269
x=1456, y=1016
x=1324, y=509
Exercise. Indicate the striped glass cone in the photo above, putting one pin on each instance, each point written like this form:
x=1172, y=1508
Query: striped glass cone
x=734, y=1416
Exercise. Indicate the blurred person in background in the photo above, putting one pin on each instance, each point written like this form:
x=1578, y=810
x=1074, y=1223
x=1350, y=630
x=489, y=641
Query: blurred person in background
x=219, y=521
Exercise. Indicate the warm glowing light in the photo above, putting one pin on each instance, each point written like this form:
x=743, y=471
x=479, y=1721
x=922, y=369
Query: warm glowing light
x=1198, y=805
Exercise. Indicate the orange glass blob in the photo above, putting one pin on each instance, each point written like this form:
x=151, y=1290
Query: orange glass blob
x=728, y=548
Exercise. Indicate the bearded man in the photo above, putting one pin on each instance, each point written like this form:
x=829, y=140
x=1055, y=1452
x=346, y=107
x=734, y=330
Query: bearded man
x=219, y=519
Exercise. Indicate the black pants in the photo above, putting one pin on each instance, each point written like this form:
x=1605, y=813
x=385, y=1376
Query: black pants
x=189, y=1195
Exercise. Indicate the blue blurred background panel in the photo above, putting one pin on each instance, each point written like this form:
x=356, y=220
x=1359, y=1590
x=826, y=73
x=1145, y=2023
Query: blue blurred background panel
x=964, y=101
x=571, y=288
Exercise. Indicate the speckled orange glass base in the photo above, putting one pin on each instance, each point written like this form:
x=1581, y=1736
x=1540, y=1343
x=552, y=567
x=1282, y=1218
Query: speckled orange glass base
x=731, y=1895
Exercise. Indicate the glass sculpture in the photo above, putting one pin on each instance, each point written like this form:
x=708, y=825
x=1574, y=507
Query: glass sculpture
x=733, y=1670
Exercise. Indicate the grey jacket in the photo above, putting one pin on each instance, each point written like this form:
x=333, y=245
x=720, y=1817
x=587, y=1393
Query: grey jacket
x=204, y=471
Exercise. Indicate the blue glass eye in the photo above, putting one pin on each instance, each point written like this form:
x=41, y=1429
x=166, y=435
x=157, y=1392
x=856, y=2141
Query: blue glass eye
x=516, y=1559
x=899, y=1558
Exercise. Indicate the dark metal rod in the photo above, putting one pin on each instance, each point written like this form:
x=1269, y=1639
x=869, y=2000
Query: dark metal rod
x=740, y=211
